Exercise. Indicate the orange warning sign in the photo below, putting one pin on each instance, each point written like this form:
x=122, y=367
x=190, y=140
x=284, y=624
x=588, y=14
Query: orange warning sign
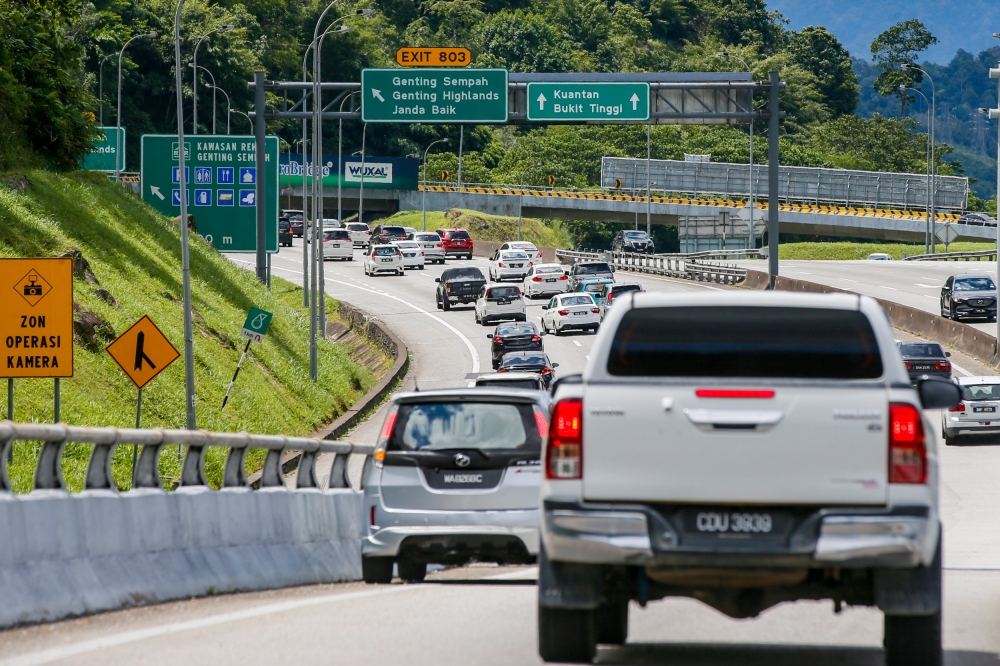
x=36, y=320
x=143, y=351
x=412, y=56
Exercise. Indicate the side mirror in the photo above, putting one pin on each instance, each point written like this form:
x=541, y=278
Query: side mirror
x=555, y=365
x=489, y=336
x=545, y=307
x=566, y=273
x=437, y=279
x=948, y=354
x=542, y=333
x=938, y=393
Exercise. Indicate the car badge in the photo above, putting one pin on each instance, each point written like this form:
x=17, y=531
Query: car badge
x=462, y=460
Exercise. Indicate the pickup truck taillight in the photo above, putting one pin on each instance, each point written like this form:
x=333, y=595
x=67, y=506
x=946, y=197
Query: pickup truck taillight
x=907, y=454
x=564, y=456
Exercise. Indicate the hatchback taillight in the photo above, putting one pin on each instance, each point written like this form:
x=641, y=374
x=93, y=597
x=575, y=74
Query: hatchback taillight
x=907, y=453
x=500, y=264
x=957, y=408
x=564, y=454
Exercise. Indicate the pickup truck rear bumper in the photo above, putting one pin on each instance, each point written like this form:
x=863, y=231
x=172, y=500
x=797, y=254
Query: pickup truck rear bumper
x=900, y=537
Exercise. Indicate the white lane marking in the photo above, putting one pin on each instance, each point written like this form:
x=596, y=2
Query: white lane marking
x=577, y=343
x=924, y=277
x=847, y=280
x=587, y=357
x=961, y=369
x=925, y=286
x=933, y=298
x=890, y=288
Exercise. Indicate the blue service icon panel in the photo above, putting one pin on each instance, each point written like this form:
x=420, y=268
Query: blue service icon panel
x=175, y=197
x=177, y=176
x=248, y=175
x=203, y=197
x=203, y=175
x=226, y=198
x=225, y=175
x=248, y=197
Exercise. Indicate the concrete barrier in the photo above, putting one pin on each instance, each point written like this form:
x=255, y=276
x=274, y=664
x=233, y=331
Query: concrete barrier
x=966, y=339
x=65, y=555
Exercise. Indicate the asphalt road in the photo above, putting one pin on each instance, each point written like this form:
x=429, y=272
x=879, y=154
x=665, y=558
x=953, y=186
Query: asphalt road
x=486, y=615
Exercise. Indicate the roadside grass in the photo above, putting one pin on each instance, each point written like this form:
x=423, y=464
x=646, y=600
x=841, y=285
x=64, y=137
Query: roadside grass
x=849, y=251
x=486, y=227
x=134, y=254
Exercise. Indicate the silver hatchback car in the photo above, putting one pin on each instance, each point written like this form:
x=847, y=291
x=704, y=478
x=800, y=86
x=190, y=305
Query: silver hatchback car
x=455, y=479
x=978, y=412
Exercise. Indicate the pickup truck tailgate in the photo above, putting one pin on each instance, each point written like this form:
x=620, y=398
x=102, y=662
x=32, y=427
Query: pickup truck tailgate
x=804, y=445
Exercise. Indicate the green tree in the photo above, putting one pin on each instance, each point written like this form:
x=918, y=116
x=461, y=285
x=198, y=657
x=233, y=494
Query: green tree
x=877, y=144
x=523, y=42
x=900, y=44
x=819, y=52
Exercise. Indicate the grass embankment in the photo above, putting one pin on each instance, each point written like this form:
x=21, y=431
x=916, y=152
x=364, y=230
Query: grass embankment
x=134, y=255
x=486, y=227
x=848, y=251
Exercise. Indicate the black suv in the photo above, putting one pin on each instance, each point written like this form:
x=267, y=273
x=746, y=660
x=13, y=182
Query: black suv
x=633, y=241
x=284, y=232
x=388, y=233
x=458, y=285
x=969, y=296
x=925, y=358
x=519, y=336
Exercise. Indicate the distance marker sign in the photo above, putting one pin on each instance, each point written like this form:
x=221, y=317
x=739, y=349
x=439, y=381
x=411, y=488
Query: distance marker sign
x=143, y=352
x=36, y=317
x=588, y=102
x=474, y=96
x=256, y=325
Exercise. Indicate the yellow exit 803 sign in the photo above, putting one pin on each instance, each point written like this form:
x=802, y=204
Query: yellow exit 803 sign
x=36, y=320
x=412, y=56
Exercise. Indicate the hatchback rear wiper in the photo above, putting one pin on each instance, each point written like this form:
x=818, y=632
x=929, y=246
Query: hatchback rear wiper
x=468, y=448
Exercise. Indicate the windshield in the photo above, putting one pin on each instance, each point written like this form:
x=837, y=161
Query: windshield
x=396, y=231
x=524, y=359
x=385, y=251
x=428, y=238
x=577, y=300
x=920, y=350
x=974, y=284
x=503, y=292
x=620, y=289
x=465, y=273
x=745, y=342
x=340, y=234
x=512, y=383
x=592, y=269
x=293, y=214
x=457, y=235
x=461, y=425
x=523, y=246
x=513, y=255
x=981, y=392
x=357, y=227
x=526, y=328
x=407, y=246
x=635, y=235
x=548, y=269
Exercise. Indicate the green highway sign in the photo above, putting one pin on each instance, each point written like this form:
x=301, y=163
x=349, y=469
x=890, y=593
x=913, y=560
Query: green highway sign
x=453, y=96
x=256, y=325
x=102, y=155
x=576, y=101
x=221, y=177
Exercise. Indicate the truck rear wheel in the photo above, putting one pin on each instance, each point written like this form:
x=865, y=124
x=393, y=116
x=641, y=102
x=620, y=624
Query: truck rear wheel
x=412, y=572
x=913, y=640
x=566, y=635
x=376, y=570
x=611, y=622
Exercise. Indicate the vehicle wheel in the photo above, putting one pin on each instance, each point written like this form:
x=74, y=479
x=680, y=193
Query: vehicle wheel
x=476, y=315
x=611, y=622
x=437, y=302
x=566, y=635
x=913, y=640
x=949, y=440
x=445, y=304
x=412, y=572
x=421, y=267
x=376, y=570
x=555, y=331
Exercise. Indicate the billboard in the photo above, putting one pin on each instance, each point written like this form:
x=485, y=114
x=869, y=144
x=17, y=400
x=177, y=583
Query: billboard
x=385, y=173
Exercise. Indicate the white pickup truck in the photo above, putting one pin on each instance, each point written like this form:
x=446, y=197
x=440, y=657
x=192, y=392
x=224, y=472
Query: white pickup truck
x=743, y=449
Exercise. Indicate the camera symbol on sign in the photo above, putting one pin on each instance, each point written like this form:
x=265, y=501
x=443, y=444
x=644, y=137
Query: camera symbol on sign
x=32, y=288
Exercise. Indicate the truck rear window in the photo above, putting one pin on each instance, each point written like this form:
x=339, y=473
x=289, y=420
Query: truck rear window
x=745, y=342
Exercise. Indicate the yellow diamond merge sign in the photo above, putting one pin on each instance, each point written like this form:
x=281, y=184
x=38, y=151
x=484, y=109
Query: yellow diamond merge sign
x=143, y=352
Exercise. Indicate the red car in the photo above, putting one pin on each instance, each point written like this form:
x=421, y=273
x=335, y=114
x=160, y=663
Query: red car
x=457, y=242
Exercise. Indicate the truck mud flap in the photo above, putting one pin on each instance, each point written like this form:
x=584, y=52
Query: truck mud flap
x=568, y=584
x=910, y=591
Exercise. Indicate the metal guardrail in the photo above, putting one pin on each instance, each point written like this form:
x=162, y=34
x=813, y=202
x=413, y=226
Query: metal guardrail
x=54, y=437
x=954, y=256
x=684, y=266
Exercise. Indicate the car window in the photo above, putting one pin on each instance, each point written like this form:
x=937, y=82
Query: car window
x=921, y=349
x=548, y=269
x=974, y=284
x=293, y=215
x=512, y=383
x=428, y=238
x=592, y=269
x=465, y=273
x=284, y=225
x=524, y=246
x=981, y=392
x=461, y=234
x=745, y=342
x=623, y=288
x=525, y=359
x=514, y=255
x=398, y=231
x=337, y=234
x=523, y=328
x=357, y=227
x=454, y=425
x=635, y=235
x=385, y=251
x=482, y=292
x=577, y=300
x=504, y=292
x=409, y=245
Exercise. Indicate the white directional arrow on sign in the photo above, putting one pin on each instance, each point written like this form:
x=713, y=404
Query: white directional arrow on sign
x=378, y=94
x=156, y=191
x=541, y=102
x=635, y=101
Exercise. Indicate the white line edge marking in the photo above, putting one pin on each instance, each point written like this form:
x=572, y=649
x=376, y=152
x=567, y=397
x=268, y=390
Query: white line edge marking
x=124, y=638
x=961, y=369
x=577, y=343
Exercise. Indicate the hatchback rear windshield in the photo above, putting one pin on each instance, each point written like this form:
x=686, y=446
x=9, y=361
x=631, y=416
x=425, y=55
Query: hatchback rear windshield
x=293, y=214
x=465, y=425
x=745, y=342
x=974, y=284
x=592, y=269
x=981, y=392
x=408, y=245
x=620, y=289
x=456, y=235
x=395, y=231
x=385, y=251
x=921, y=349
x=428, y=238
x=503, y=292
x=357, y=227
x=513, y=383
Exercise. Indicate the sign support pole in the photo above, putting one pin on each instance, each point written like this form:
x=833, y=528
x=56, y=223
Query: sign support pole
x=259, y=122
x=138, y=420
x=649, y=193
x=461, y=139
x=772, y=181
x=236, y=374
x=10, y=414
x=57, y=406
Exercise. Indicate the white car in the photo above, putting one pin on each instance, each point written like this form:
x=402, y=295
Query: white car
x=432, y=246
x=509, y=265
x=978, y=413
x=545, y=280
x=879, y=256
x=413, y=255
x=524, y=246
x=337, y=244
x=531, y=381
x=410, y=232
x=568, y=312
x=383, y=259
x=327, y=225
x=496, y=303
x=361, y=235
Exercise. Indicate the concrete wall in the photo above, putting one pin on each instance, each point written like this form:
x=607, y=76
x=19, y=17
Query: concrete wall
x=64, y=555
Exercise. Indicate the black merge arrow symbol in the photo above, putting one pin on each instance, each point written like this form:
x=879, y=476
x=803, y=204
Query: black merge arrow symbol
x=140, y=354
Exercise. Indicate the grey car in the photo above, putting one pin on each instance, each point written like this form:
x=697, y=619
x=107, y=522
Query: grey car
x=969, y=296
x=977, y=414
x=455, y=479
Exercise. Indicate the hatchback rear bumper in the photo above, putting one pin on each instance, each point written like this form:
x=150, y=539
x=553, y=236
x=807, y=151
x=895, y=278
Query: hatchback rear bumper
x=449, y=525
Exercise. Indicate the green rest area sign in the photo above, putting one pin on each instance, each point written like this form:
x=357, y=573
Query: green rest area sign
x=102, y=155
x=222, y=180
x=575, y=101
x=257, y=323
x=445, y=95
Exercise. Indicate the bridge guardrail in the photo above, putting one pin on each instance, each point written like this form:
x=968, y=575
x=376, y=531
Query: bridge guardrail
x=953, y=256
x=48, y=471
x=685, y=266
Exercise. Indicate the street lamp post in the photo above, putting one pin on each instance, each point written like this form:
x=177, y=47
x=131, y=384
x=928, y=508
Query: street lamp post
x=933, y=196
x=194, y=61
x=100, y=84
x=245, y=116
x=118, y=115
x=927, y=233
x=423, y=196
x=753, y=241
x=228, y=105
x=212, y=87
x=520, y=200
x=340, y=168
